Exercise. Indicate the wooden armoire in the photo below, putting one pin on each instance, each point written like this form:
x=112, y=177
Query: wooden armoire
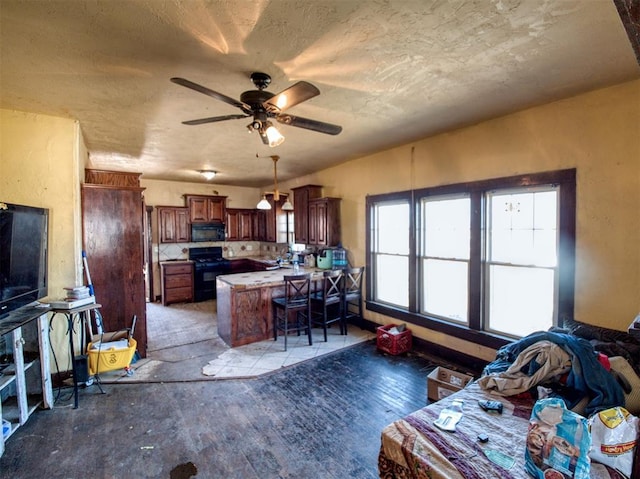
x=113, y=238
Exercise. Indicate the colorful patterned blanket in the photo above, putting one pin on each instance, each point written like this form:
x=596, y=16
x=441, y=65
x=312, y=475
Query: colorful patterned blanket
x=413, y=448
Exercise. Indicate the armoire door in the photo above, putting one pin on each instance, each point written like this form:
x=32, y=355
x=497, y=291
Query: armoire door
x=112, y=219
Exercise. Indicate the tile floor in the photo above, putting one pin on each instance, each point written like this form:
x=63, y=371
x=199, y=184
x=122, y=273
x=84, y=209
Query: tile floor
x=267, y=356
x=183, y=345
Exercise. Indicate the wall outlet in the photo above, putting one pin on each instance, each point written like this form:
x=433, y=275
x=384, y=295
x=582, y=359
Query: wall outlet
x=249, y=247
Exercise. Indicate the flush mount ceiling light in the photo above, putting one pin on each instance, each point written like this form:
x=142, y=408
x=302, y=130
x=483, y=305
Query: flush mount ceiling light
x=208, y=174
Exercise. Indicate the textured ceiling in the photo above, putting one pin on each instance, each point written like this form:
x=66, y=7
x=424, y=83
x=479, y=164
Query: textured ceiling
x=389, y=72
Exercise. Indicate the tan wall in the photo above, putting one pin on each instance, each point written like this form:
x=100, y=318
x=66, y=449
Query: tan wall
x=41, y=158
x=39, y=164
x=597, y=133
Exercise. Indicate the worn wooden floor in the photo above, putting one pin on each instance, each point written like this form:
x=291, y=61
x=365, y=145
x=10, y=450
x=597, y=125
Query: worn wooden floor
x=318, y=419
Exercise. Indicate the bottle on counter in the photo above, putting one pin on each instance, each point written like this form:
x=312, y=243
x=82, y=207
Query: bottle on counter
x=296, y=266
x=309, y=261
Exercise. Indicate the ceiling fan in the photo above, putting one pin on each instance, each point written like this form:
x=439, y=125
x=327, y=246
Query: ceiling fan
x=263, y=105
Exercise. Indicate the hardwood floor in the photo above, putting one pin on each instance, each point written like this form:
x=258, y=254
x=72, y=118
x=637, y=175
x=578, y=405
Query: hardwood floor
x=318, y=419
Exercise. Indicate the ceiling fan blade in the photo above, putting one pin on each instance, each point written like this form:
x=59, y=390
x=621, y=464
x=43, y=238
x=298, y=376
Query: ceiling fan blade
x=213, y=119
x=308, y=124
x=213, y=94
x=301, y=91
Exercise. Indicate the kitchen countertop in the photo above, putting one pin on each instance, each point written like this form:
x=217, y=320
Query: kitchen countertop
x=259, y=279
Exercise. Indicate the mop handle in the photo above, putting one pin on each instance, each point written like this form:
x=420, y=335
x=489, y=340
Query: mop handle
x=86, y=270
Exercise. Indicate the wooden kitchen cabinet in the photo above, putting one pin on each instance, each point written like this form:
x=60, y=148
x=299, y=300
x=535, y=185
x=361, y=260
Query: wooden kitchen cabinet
x=276, y=221
x=177, y=282
x=240, y=224
x=173, y=224
x=206, y=209
x=324, y=221
x=301, y=197
x=259, y=225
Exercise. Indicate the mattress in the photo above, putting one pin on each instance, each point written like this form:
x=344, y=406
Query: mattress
x=413, y=448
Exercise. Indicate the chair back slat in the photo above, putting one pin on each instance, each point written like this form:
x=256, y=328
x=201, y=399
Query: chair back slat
x=332, y=284
x=353, y=280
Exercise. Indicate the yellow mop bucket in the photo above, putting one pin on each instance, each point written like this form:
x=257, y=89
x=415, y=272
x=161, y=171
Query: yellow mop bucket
x=110, y=356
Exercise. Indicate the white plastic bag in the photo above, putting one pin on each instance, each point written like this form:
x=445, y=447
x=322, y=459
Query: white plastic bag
x=614, y=435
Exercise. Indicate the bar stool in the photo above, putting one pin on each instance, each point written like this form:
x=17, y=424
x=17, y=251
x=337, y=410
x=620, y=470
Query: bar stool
x=324, y=300
x=352, y=295
x=295, y=302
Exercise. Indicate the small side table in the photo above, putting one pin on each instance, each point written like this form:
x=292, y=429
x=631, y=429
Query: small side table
x=82, y=315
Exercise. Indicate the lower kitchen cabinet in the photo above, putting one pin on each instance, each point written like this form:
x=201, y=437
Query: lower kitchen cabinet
x=177, y=282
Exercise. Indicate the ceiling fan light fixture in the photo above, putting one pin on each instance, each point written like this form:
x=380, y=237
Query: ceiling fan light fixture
x=287, y=206
x=274, y=137
x=263, y=204
x=208, y=174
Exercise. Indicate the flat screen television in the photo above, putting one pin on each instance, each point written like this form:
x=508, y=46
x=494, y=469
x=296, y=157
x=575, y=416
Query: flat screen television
x=23, y=255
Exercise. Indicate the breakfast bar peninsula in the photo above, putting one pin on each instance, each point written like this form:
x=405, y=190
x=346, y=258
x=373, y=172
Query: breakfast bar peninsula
x=244, y=303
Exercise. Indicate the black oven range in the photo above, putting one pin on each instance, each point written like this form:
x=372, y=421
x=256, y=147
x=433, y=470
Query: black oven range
x=208, y=264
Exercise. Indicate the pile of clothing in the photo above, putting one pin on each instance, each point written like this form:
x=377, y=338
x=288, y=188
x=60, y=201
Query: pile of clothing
x=567, y=365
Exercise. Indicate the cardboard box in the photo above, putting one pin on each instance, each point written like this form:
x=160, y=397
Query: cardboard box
x=443, y=382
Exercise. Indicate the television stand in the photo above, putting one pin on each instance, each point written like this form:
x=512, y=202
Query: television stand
x=25, y=381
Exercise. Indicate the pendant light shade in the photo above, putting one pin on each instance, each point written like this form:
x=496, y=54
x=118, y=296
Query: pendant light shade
x=263, y=204
x=287, y=206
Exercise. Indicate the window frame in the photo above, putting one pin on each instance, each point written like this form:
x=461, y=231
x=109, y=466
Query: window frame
x=565, y=180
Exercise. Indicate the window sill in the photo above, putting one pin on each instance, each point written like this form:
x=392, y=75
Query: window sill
x=482, y=338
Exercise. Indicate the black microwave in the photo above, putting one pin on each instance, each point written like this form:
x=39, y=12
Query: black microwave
x=201, y=232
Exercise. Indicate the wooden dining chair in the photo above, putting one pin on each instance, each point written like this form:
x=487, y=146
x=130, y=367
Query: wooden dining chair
x=325, y=301
x=292, y=312
x=352, y=295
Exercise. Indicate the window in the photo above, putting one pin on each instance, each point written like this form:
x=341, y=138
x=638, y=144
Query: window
x=444, y=257
x=485, y=261
x=390, y=251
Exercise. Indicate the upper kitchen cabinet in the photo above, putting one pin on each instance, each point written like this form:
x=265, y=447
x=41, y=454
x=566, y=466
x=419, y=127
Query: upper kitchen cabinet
x=259, y=221
x=317, y=219
x=207, y=209
x=324, y=221
x=240, y=224
x=173, y=224
x=301, y=197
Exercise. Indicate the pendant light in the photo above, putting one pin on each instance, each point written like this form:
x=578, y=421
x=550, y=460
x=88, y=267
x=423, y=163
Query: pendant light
x=263, y=204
